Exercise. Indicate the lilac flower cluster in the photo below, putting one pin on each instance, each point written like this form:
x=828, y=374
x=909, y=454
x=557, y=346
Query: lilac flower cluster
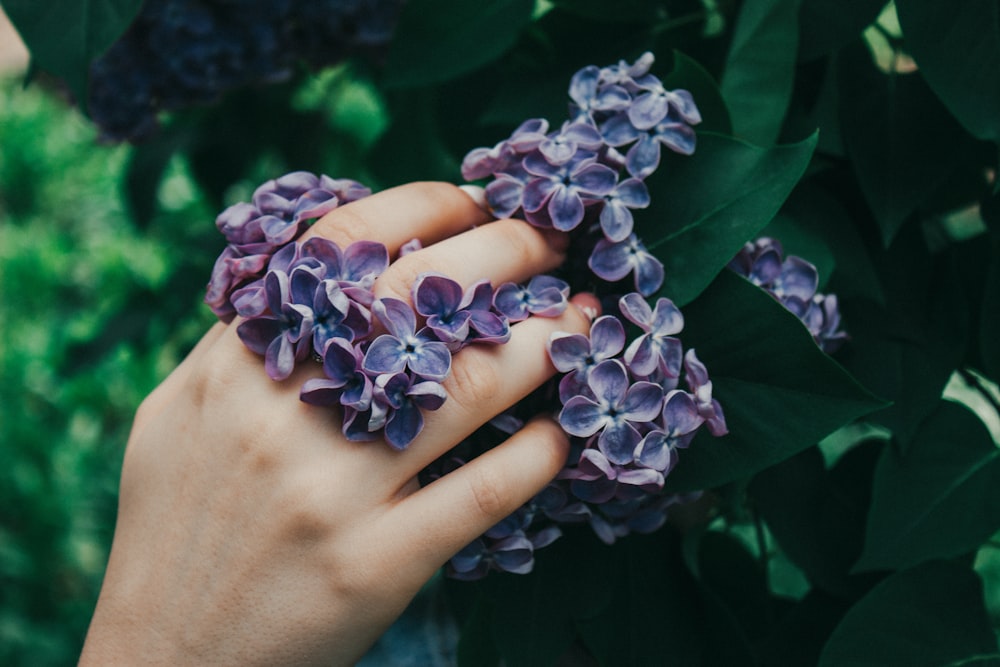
x=793, y=282
x=183, y=53
x=592, y=167
x=622, y=402
x=313, y=299
x=279, y=212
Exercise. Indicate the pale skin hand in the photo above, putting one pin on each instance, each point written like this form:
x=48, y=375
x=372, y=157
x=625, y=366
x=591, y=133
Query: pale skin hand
x=251, y=532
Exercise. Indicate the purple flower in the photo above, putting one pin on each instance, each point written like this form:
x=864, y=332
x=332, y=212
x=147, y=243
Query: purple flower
x=625, y=75
x=613, y=261
x=643, y=157
x=651, y=107
x=656, y=348
x=345, y=383
x=616, y=218
x=545, y=296
x=559, y=193
x=287, y=203
x=613, y=411
x=439, y=299
x=284, y=337
x=696, y=376
x=354, y=269
x=589, y=95
x=658, y=449
x=398, y=402
x=595, y=479
x=511, y=554
x=486, y=325
x=403, y=347
x=576, y=354
x=560, y=147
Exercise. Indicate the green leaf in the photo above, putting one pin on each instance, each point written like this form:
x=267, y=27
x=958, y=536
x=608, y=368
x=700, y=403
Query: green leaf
x=903, y=143
x=906, y=350
x=779, y=392
x=64, y=36
x=475, y=644
x=818, y=515
x=687, y=74
x=930, y=616
x=707, y=205
x=438, y=40
x=622, y=11
x=989, y=323
x=957, y=47
x=532, y=615
x=655, y=615
x=759, y=73
x=938, y=499
x=826, y=235
x=826, y=25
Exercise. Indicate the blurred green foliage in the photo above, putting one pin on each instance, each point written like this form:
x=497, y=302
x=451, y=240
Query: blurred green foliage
x=70, y=263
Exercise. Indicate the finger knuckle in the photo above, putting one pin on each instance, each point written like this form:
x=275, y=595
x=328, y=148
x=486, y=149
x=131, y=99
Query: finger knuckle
x=474, y=381
x=490, y=496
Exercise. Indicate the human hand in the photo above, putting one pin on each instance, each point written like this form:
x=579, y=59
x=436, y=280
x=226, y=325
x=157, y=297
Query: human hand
x=250, y=531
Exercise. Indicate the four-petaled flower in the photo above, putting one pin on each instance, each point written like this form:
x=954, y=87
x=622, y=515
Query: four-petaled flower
x=403, y=347
x=613, y=411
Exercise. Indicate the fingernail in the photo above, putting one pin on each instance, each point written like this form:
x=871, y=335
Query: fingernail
x=590, y=312
x=477, y=194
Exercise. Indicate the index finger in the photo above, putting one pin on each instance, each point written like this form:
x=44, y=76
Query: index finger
x=428, y=211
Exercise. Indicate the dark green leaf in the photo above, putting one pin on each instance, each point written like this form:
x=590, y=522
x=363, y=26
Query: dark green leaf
x=937, y=499
x=822, y=225
x=687, y=74
x=957, y=48
x=800, y=633
x=438, y=40
x=730, y=571
x=903, y=142
x=532, y=616
x=818, y=515
x=826, y=25
x=766, y=370
x=906, y=350
x=757, y=80
x=930, y=616
x=707, y=205
x=655, y=615
x=989, y=323
x=625, y=10
x=64, y=36
x=475, y=644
